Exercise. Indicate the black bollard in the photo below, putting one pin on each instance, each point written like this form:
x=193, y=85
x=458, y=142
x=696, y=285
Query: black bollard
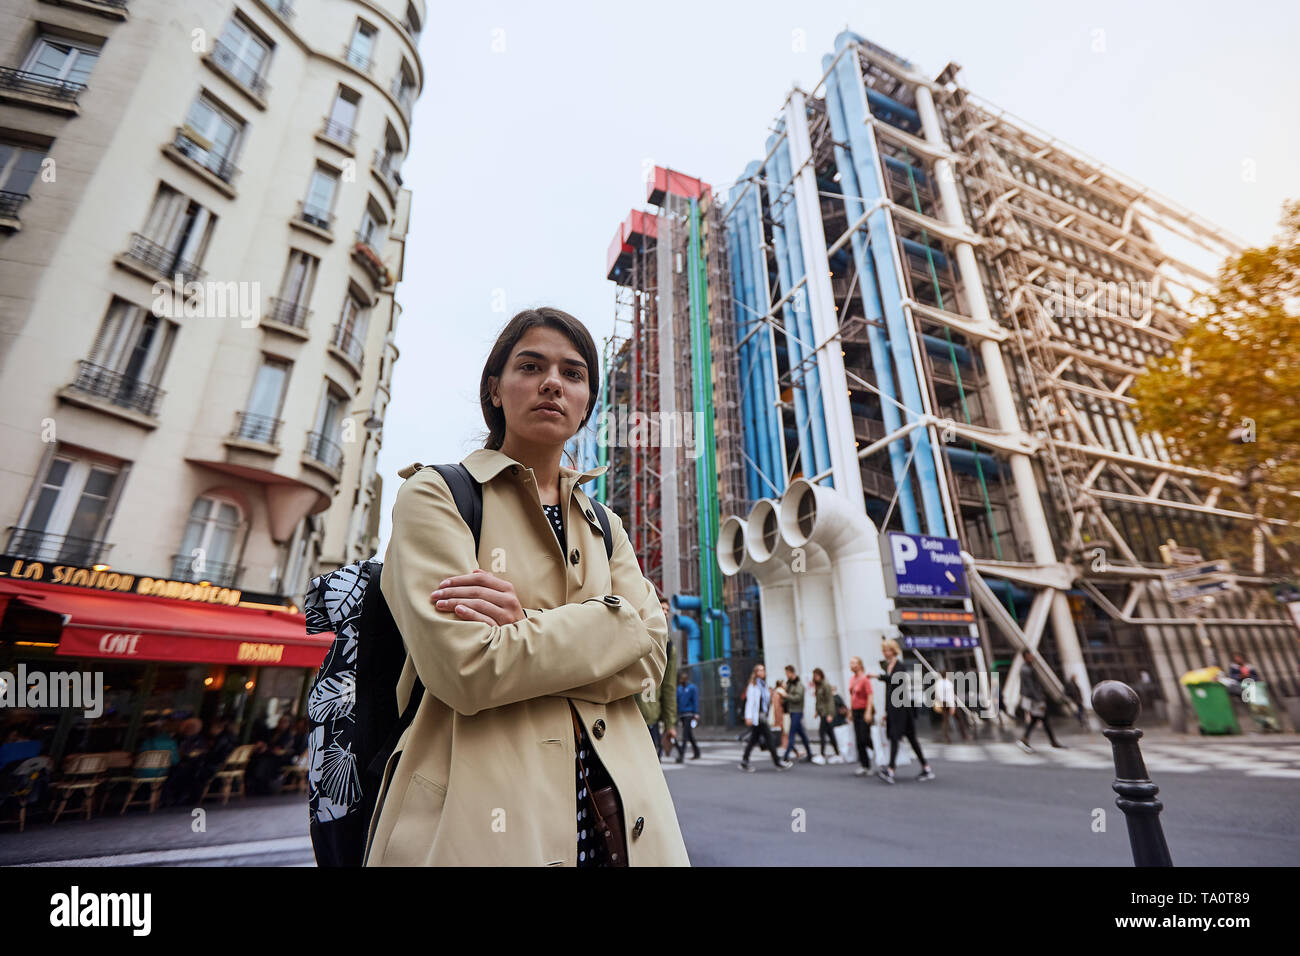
x=1118, y=705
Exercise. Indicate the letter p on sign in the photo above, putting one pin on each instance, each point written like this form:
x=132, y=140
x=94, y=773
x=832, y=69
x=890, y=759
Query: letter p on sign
x=904, y=551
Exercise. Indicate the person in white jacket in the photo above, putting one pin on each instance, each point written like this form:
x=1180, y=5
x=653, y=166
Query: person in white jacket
x=757, y=701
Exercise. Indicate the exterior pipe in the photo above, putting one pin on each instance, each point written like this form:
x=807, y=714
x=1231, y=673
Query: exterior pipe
x=688, y=602
x=869, y=292
x=816, y=516
x=773, y=444
x=776, y=596
x=742, y=316
x=1006, y=414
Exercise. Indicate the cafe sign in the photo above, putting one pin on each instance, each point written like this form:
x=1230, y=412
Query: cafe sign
x=118, y=582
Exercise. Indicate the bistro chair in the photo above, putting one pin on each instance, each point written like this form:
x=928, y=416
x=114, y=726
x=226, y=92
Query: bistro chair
x=148, y=760
x=295, y=776
x=119, y=772
x=83, y=776
x=231, y=773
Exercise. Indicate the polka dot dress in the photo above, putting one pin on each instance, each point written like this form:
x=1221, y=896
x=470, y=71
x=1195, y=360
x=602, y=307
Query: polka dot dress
x=591, y=849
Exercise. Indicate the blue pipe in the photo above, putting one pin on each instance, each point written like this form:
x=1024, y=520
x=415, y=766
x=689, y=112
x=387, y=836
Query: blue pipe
x=964, y=460
x=743, y=320
x=899, y=166
x=772, y=460
x=816, y=453
x=869, y=293
x=891, y=294
x=918, y=249
x=890, y=110
x=939, y=347
x=682, y=622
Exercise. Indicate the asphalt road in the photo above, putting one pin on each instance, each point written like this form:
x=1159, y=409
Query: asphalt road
x=1226, y=803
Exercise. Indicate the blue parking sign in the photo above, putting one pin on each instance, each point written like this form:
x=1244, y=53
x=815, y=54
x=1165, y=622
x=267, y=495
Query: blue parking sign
x=922, y=566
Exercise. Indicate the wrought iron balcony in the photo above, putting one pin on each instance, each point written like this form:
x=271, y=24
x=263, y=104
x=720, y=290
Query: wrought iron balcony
x=240, y=72
x=386, y=170
x=36, y=544
x=288, y=313
x=315, y=216
x=358, y=59
x=20, y=81
x=116, y=388
x=258, y=428
x=220, y=575
x=166, y=262
x=338, y=133
x=220, y=166
x=10, y=203
x=322, y=449
x=347, y=343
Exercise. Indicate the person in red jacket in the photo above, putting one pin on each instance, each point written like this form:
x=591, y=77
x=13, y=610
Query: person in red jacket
x=863, y=714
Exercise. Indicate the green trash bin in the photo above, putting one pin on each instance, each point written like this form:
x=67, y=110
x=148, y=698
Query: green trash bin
x=1213, y=708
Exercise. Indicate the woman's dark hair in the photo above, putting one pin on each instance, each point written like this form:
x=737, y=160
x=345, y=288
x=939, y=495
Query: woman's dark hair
x=544, y=317
x=819, y=676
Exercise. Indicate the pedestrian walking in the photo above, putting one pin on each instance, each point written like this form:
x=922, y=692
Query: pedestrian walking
x=1034, y=702
x=898, y=712
x=688, y=712
x=780, y=719
x=1075, y=693
x=794, y=697
x=660, y=707
x=757, y=701
x=863, y=714
x=529, y=672
x=946, y=703
x=824, y=696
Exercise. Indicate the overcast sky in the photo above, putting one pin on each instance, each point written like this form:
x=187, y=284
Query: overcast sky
x=537, y=121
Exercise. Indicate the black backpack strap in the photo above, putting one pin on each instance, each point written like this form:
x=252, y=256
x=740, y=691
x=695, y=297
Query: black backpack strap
x=604, y=527
x=468, y=494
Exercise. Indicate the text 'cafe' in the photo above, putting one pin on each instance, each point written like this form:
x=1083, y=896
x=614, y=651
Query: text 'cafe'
x=168, y=650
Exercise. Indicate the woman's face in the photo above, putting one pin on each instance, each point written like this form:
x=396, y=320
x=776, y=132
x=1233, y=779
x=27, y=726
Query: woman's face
x=890, y=654
x=544, y=368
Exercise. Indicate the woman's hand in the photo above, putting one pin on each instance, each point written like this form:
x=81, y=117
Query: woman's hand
x=479, y=596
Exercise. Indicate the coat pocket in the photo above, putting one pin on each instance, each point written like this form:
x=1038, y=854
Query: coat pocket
x=418, y=816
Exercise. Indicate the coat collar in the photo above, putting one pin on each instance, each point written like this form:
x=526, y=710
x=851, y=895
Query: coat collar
x=486, y=463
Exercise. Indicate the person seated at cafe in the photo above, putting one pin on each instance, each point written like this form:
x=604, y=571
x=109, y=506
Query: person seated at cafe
x=158, y=739
x=271, y=754
x=301, y=737
x=184, y=775
x=221, y=743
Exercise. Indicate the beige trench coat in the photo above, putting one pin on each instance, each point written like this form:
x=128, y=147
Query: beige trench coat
x=485, y=774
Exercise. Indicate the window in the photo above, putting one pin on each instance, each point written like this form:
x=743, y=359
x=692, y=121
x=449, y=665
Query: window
x=317, y=209
x=360, y=51
x=341, y=124
x=323, y=442
x=404, y=89
x=69, y=513
x=211, y=137
x=374, y=228
x=57, y=61
x=18, y=168
x=299, y=278
x=412, y=22
x=175, y=235
x=260, y=420
x=128, y=357
x=209, y=547
x=242, y=54
x=350, y=333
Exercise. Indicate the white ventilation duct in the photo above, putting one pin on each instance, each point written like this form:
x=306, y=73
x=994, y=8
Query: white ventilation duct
x=813, y=636
x=776, y=598
x=815, y=517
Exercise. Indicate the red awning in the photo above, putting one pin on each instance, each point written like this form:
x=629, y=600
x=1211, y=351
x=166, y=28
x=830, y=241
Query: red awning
x=142, y=628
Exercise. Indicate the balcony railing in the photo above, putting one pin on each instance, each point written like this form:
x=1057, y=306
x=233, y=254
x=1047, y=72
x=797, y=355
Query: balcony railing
x=338, y=133
x=347, y=343
x=288, y=313
x=115, y=387
x=358, y=59
x=387, y=171
x=321, y=449
x=241, y=72
x=285, y=9
x=220, y=575
x=220, y=166
x=21, y=81
x=10, y=204
x=315, y=216
x=258, y=428
x=166, y=262
x=35, y=544
x=404, y=93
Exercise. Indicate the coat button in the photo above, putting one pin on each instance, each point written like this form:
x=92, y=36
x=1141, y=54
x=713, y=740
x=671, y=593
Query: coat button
x=598, y=729
x=640, y=825
x=613, y=600
x=573, y=556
